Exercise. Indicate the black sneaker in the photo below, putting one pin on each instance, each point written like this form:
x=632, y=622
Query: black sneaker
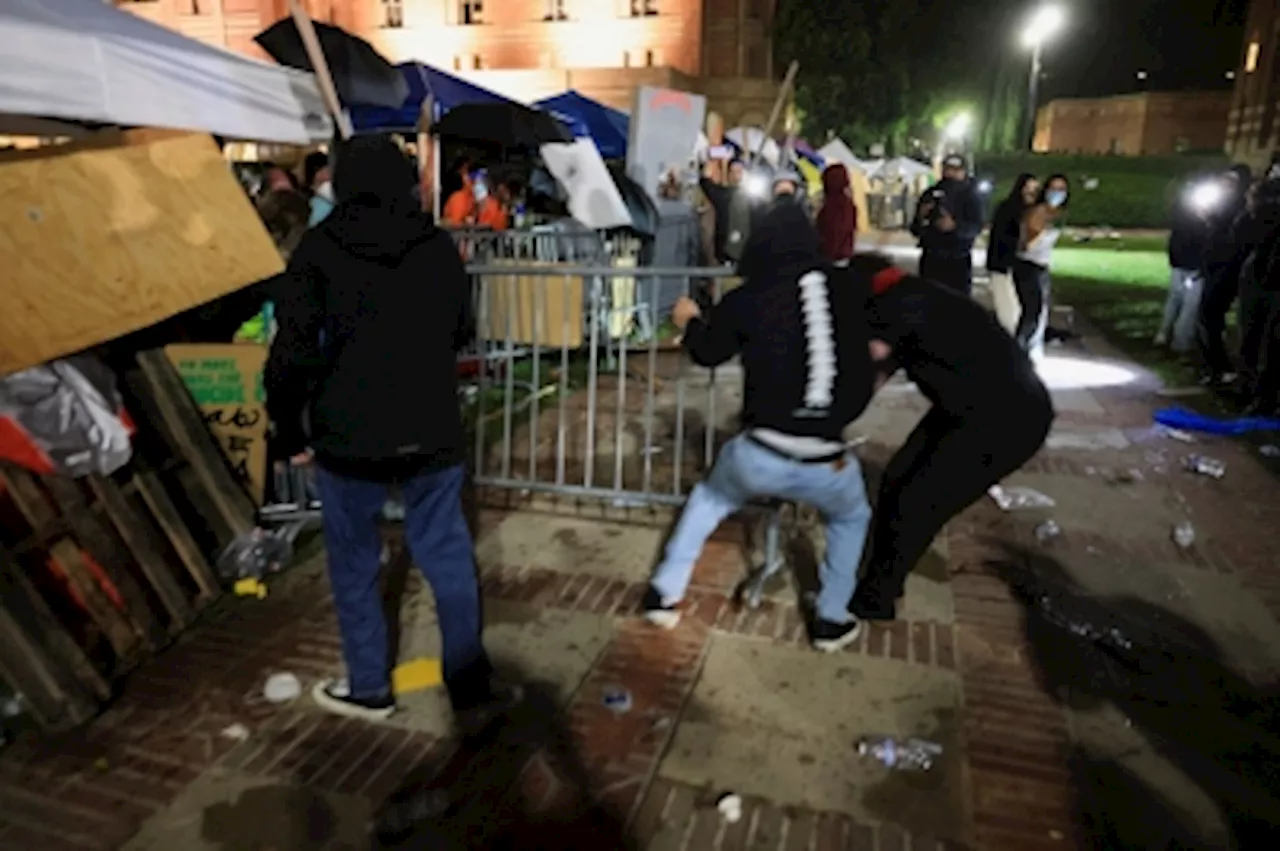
x=868, y=608
x=658, y=611
x=829, y=637
x=335, y=696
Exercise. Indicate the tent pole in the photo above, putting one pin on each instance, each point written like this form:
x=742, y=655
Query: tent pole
x=315, y=54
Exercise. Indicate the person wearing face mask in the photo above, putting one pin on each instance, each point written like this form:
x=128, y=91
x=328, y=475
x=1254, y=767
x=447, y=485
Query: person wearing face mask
x=1038, y=235
x=1002, y=248
x=460, y=207
x=320, y=181
x=491, y=206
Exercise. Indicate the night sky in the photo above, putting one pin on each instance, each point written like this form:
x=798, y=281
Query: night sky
x=1182, y=44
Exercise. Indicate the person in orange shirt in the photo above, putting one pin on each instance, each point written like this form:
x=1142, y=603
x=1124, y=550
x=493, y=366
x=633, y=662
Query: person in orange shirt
x=492, y=206
x=460, y=207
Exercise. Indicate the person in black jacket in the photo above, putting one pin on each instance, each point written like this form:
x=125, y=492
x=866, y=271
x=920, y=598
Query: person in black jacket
x=376, y=306
x=948, y=220
x=1188, y=242
x=991, y=413
x=1260, y=309
x=1230, y=241
x=1002, y=248
x=807, y=374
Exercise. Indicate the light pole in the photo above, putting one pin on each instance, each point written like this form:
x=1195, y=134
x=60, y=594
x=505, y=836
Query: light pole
x=1042, y=25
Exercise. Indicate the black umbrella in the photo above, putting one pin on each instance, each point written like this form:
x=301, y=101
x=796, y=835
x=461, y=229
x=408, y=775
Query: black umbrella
x=511, y=125
x=644, y=214
x=360, y=74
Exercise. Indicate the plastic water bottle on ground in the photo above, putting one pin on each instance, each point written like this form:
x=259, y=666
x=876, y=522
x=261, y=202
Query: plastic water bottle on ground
x=1184, y=534
x=901, y=754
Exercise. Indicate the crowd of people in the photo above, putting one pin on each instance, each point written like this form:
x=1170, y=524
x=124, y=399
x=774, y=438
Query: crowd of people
x=361, y=382
x=1223, y=244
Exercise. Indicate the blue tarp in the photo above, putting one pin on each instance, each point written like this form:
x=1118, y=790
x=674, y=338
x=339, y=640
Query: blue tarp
x=606, y=126
x=1191, y=421
x=447, y=92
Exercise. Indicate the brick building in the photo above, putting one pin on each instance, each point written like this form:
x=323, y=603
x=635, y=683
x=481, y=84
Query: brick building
x=532, y=48
x=1140, y=123
x=1252, y=128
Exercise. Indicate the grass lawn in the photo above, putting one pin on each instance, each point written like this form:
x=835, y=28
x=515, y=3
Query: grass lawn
x=1122, y=290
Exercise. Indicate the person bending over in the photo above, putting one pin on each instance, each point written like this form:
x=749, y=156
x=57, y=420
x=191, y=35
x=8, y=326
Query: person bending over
x=990, y=414
x=807, y=374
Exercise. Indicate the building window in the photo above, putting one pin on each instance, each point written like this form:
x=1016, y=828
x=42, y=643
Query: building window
x=648, y=59
x=470, y=12
x=757, y=61
x=476, y=64
x=644, y=8
x=626, y=59
x=1251, y=57
x=555, y=11
x=392, y=14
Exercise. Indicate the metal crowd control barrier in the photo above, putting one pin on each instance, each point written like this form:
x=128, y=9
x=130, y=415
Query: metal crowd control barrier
x=554, y=412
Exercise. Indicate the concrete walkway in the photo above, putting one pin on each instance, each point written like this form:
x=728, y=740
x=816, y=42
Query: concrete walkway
x=1103, y=688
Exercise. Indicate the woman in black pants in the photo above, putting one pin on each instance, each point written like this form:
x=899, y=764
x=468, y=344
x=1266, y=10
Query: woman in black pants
x=1039, y=234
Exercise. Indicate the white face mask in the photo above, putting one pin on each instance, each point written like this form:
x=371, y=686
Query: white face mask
x=479, y=190
x=325, y=191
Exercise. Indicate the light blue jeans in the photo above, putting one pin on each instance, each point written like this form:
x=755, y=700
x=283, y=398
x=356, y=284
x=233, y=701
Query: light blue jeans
x=1182, y=309
x=745, y=471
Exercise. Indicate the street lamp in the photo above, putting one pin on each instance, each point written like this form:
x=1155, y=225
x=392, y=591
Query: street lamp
x=1041, y=26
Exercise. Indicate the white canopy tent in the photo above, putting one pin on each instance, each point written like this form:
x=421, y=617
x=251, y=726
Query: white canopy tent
x=902, y=168
x=749, y=140
x=87, y=61
x=837, y=151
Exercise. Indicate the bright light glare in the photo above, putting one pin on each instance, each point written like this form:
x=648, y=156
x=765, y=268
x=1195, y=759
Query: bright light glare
x=1205, y=196
x=757, y=185
x=984, y=186
x=1043, y=25
x=957, y=126
x=1068, y=373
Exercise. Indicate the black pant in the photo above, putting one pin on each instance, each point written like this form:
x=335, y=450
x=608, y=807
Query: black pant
x=952, y=270
x=1260, y=321
x=1032, y=284
x=1219, y=292
x=946, y=464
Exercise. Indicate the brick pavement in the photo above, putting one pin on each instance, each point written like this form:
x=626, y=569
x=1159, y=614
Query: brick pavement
x=95, y=788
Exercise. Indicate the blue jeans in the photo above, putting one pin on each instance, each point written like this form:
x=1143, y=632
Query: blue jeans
x=1182, y=308
x=440, y=543
x=744, y=471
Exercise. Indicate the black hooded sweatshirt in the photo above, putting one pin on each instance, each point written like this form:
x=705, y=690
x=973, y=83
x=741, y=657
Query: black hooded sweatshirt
x=803, y=341
x=950, y=346
x=373, y=310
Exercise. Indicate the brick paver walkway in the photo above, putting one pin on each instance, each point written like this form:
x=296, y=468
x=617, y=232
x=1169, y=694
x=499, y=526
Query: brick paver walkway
x=1108, y=688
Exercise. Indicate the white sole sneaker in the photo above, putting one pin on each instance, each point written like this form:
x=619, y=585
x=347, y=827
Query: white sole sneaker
x=840, y=642
x=665, y=618
x=330, y=695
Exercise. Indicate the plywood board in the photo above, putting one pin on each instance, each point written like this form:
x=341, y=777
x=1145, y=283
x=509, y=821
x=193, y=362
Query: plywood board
x=225, y=380
x=524, y=309
x=108, y=236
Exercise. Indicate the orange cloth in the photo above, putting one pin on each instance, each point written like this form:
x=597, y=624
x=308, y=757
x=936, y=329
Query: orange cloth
x=492, y=214
x=460, y=209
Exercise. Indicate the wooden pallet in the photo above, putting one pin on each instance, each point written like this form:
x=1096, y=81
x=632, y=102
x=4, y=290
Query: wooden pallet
x=99, y=573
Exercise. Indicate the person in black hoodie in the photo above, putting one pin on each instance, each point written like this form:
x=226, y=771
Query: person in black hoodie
x=1231, y=239
x=1002, y=249
x=948, y=220
x=1188, y=242
x=373, y=309
x=1260, y=309
x=807, y=374
x=990, y=414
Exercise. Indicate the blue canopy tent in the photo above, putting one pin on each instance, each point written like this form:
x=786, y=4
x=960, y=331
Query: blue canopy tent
x=606, y=126
x=446, y=91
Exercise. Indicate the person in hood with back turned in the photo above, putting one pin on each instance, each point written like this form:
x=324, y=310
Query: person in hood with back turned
x=376, y=306
x=807, y=374
x=990, y=415
x=948, y=220
x=837, y=220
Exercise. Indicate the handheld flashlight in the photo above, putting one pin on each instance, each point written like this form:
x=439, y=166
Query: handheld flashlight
x=756, y=185
x=1204, y=197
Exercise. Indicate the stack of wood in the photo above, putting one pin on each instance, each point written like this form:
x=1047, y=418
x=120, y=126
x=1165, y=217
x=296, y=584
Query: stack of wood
x=99, y=573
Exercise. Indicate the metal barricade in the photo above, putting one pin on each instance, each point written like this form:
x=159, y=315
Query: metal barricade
x=580, y=398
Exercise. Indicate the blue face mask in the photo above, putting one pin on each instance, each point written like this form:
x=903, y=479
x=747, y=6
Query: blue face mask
x=1056, y=197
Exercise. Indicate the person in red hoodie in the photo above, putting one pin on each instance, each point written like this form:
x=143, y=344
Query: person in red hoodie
x=838, y=219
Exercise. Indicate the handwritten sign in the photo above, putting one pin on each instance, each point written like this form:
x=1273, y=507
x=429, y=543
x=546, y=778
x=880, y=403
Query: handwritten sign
x=225, y=379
